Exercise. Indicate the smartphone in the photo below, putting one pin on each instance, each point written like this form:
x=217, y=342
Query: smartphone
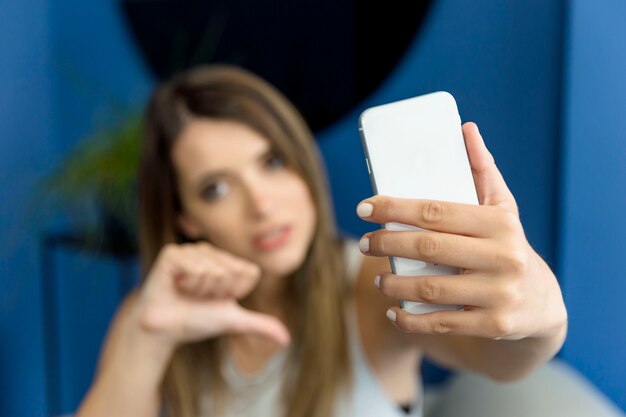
x=414, y=148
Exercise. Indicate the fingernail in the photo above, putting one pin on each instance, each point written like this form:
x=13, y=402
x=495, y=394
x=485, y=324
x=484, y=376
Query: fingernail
x=391, y=315
x=364, y=244
x=377, y=281
x=364, y=209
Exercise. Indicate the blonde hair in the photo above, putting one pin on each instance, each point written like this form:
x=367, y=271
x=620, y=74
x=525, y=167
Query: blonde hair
x=318, y=364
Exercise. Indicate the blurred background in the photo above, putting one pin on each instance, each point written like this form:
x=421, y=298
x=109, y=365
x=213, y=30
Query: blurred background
x=544, y=80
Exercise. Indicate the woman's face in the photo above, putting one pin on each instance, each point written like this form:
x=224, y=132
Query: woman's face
x=238, y=194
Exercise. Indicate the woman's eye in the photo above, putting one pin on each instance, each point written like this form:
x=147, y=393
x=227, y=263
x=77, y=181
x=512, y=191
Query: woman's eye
x=275, y=162
x=214, y=191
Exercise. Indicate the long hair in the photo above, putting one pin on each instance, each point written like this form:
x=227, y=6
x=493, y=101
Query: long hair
x=318, y=364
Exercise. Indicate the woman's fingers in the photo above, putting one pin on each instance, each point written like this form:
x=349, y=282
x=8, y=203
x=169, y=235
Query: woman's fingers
x=219, y=281
x=490, y=185
x=468, y=290
x=441, y=216
x=473, y=322
x=200, y=276
x=197, y=320
x=247, y=321
x=230, y=317
x=497, y=204
x=434, y=247
x=509, y=292
x=204, y=271
x=191, y=295
x=237, y=278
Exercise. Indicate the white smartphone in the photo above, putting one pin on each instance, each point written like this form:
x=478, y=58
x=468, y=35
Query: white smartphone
x=414, y=148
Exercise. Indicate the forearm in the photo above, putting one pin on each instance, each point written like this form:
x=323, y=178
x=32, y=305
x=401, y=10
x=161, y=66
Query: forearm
x=128, y=382
x=502, y=360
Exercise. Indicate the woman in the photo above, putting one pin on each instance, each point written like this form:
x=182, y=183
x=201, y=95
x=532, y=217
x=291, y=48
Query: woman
x=252, y=305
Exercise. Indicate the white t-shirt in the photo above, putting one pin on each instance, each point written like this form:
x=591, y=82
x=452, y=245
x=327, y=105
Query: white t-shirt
x=260, y=395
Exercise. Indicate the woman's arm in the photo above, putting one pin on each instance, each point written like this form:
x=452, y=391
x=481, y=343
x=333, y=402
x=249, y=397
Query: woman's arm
x=189, y=295
x=514, y=317
x=500, y=360
x=130, y=371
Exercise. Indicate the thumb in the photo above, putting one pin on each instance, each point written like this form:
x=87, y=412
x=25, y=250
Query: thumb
x=490, y=185
x=241, y=320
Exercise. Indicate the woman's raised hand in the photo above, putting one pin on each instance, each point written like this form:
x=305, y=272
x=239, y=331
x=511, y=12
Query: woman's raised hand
x=508, y=291
x=191, y=294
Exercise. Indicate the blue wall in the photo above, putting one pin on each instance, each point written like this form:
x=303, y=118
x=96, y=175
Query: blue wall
x=67, y=65
x=593, y=222
x=502, y=62
x=66, y=68
x=98, y=77
x=26, y=124
x=97, y=72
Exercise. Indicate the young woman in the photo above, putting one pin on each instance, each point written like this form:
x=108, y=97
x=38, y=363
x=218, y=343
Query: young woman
x=252, y=305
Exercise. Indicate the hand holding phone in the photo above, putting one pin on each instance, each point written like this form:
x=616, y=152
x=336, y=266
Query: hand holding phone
x=414, y=148
x=507, y=291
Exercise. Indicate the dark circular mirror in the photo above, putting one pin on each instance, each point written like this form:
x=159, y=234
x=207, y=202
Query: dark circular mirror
x=326, y=56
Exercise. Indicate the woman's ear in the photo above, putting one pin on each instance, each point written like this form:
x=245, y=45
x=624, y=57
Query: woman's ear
x=188, y=227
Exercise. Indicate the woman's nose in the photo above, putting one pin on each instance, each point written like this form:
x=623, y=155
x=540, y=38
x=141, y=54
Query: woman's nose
x=260, y=199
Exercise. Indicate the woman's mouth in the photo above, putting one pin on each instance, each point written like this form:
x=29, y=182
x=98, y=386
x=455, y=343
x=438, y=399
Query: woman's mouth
x=272, y=238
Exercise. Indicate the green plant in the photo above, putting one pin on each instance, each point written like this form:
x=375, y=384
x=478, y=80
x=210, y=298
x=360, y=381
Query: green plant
x=102, y=169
